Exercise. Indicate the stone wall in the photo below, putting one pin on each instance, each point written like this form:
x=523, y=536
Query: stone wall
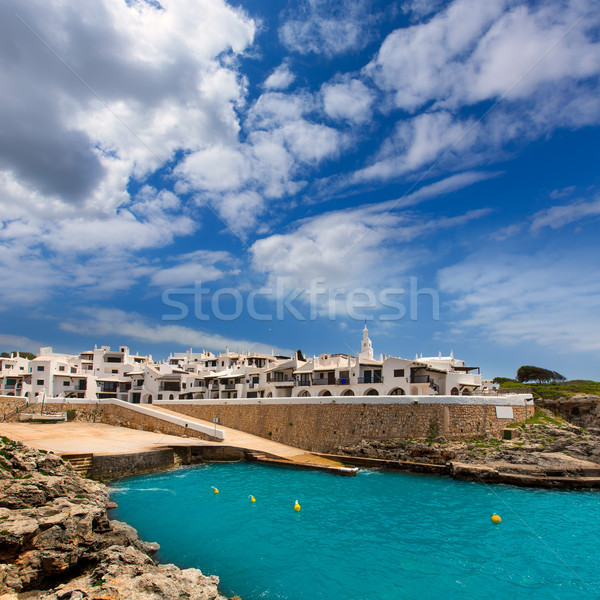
x=10, y=407
x=122, y=417
x=319, y=426
x=324, y=427
x=107, y=467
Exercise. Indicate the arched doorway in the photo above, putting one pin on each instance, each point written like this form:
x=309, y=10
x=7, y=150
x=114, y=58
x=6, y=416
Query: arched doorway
x=397, y=392
x=325, y=393
x=372, y=392
x=304, y=394
x=348, y=393
x=454, y=392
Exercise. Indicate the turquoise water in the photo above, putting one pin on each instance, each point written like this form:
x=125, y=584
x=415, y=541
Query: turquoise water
x=377, y=536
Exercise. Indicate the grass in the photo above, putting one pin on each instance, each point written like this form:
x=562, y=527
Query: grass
x=555, y=389
x=541, y=416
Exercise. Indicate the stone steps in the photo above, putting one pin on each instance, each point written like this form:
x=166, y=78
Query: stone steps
x=81, y=463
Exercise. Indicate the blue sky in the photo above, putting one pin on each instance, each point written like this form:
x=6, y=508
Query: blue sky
x=263, y=175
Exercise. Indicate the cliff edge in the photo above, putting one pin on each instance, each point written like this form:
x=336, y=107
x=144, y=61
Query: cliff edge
x=57, y=542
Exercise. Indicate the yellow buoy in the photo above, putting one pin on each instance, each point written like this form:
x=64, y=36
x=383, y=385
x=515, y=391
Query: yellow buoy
x=496, y=518
x=214, y=488
x=252, y=498
x=296, y=506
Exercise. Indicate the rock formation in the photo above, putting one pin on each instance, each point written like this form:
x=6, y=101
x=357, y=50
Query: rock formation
x=57, y=541
x=548, y=454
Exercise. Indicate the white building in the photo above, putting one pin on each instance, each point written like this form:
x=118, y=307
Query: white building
x=14, y=375
x=105, y=373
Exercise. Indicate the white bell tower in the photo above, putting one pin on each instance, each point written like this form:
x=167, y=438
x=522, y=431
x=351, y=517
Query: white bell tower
x=366, y=347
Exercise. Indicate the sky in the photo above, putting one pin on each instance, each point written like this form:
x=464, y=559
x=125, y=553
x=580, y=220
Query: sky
x=270, y=175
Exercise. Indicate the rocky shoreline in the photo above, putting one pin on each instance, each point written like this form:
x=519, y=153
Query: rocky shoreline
x=551, y=454
x=57, y=542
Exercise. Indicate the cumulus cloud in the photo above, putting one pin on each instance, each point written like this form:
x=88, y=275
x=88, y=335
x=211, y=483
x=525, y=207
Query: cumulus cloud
x=280, y=79
x=474, y=51
x=329, y=27
x=103, y=95
x=541, y=62
x=349, y=101
x=372, y=246
x=282, y=141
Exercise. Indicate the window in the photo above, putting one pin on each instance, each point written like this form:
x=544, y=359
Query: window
x=40, y=368
x=398, y=372
x=61, y=368
x=73, y=370
x=40, y=382
x=65, y=383
x=114, y=371
x=159, y=396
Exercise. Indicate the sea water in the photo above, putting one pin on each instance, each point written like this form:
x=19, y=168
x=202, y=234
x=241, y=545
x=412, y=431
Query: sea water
x=376, y=536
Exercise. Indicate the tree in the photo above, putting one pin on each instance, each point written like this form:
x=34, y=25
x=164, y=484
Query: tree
x=531, y=373
x=300, y=355
x=27, y=355
x=501, y=380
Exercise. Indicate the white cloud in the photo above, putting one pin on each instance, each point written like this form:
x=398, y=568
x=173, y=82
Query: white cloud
x=80, y=126
x=129, y=325
x=349, y=101
x=202, y=265
x=418, y=142
x=329, y=27
x=282, y=141
x=548, y=298
x=475, y=51
x=280, y=79
x=556, y=217
x=10, y=343
x=372, y=246
x=541, y=61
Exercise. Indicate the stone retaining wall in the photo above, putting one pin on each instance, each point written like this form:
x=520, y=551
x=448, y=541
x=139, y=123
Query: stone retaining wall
x=10, y=407
x=123, y=417
x=108, y=467
x=324, y=427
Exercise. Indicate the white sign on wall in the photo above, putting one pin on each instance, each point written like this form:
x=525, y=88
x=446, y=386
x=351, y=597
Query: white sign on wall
x=504, y=412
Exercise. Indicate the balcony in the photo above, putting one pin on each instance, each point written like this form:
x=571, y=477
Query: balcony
x=278, y=378
x=323, y=381
x=169, y=387
x=303, y=382
x=425, y=379
x=370, y=380
x=230, y=386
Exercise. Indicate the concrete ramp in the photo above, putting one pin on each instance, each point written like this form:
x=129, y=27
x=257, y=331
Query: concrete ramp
x=257, y=448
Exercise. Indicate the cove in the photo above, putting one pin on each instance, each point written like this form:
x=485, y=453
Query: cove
x=377, y=536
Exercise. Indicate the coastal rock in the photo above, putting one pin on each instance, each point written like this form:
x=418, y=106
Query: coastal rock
x=55, y=531
x=544, y=455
